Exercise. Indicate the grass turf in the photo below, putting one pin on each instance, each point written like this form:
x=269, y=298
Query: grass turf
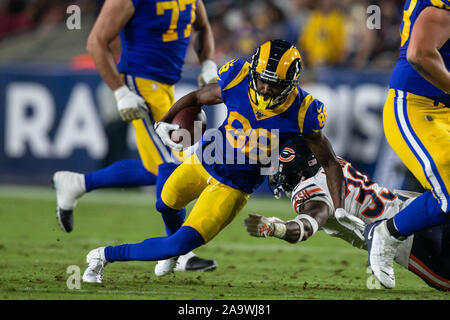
x=35, y=255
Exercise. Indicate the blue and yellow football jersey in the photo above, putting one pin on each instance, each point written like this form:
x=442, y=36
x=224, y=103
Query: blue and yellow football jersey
x=404, y=76
x=236, y=152
x=155, y=40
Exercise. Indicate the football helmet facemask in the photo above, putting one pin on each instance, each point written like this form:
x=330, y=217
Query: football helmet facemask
x=278, y=63
x=296, y=163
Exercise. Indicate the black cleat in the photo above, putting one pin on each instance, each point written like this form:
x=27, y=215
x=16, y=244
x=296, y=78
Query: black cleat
x=65, y=219
x=190, y=262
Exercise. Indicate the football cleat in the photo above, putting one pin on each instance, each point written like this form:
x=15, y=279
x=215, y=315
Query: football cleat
x=69, y=187
x=187, y=262
x=382, y=248
x=190, y=262
x=96, y=265
x=163, y=267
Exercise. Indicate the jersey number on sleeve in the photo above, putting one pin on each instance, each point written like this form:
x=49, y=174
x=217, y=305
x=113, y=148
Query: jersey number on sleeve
x=175, y=7
x=362, y=183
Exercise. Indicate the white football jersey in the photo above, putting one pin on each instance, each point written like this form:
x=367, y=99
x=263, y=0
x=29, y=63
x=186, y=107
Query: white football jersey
x=364, y=199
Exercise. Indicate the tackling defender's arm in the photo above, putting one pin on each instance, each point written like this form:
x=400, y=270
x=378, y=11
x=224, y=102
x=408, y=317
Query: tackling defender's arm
x=323, y=151
x=290, y=231
x=430, y=32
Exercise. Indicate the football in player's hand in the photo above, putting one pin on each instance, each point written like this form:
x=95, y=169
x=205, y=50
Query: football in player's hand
x=192, y=122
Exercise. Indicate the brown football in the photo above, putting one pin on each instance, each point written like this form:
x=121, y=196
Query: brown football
x=189, y=132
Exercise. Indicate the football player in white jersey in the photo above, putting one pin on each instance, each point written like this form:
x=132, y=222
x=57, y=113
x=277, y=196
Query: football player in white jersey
x=427, y=253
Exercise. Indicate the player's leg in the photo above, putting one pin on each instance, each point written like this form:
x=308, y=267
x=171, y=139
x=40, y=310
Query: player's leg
x=70, y=186
x=157, y=158
x=430, y=256
x=216, y=207
x=418, y=131
x=185, y=184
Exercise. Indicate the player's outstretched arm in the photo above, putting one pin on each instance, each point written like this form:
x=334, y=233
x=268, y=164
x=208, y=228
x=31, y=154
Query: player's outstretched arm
x=430, y=32
x=203, y=40
x=313, y=216
x=321, y=148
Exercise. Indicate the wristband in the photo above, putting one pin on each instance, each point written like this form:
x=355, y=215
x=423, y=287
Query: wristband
x=279, y=230
x=312, y=221
x=302, y=228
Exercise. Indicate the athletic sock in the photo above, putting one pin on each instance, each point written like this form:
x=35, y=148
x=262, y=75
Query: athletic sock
x=181, y=242
x=420, y=214
x=124, y=173
x=173, y=219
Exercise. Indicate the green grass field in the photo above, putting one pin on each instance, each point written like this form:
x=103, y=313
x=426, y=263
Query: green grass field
x=35, y=254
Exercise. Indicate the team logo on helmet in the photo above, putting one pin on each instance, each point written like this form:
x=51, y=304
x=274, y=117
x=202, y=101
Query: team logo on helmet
x=287, y=155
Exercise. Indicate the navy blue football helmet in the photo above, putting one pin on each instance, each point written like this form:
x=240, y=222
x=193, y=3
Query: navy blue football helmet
x=296, y=161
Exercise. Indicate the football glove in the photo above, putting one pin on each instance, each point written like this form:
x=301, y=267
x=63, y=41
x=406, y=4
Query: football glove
x=163, y=130
x=208, y=74
x=130, y=105
x=350, y=222
x=259, y=226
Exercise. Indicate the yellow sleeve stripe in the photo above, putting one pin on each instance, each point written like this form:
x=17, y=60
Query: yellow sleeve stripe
x=238, y=79
x=302, y=111
x=441, y=4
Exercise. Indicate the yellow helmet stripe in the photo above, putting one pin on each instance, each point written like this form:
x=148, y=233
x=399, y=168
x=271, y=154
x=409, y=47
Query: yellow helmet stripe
x=263, y=57
x=285, y=62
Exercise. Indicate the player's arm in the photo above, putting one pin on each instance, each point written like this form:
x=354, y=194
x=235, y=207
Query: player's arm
x=112, y=18
x=203, y=41
x=313, y=216
x=207, y=95
x=321, y=148
x=430, y=32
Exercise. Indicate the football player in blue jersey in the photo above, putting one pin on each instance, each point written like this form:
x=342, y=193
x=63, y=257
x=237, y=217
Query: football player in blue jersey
x=416, y=121
x=154, y=38
x=265, y=108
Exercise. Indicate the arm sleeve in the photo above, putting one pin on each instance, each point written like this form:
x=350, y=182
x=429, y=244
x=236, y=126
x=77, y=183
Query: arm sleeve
x=230, y=71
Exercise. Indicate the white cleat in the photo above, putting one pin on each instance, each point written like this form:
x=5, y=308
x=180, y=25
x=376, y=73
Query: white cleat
x=382, y=254
x=69, y=187
x=163, y=267
x=96, y=265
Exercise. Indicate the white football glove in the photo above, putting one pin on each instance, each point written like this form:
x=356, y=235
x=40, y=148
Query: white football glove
x=130, y=105
x=163, y=130
x=259, y=226
x=350, y=222
x=208, y=74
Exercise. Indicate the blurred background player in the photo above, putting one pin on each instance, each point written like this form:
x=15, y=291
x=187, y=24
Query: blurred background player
x=154, y=38
x=426, y=253
x=261, y=96
x=416, y=121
